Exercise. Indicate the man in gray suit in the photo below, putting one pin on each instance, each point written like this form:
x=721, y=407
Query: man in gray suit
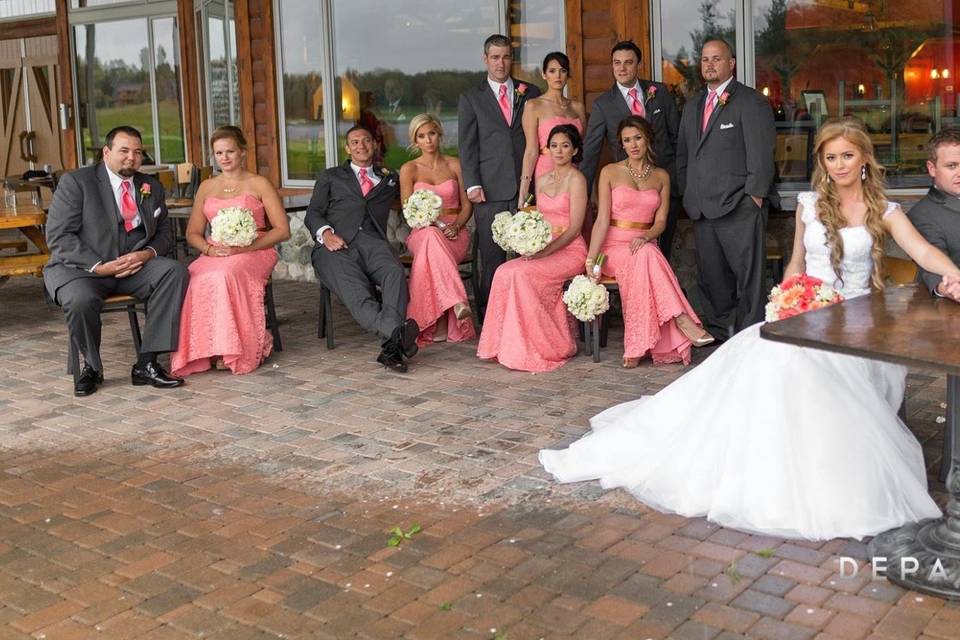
x=491, y=144
x=649, y=100
x=725, y=169
x=937, y=215
x=347, y=216
x=109, y=234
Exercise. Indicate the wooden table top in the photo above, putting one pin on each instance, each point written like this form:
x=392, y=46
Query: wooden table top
x=25, y=215
x=905, y=325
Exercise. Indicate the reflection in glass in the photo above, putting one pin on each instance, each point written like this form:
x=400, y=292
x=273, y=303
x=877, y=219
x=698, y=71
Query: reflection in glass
x=891, y=64
x=219, y=78
x=682, y=44
x=302, y=88
x=167, y=74
x=113, y=82
x=430, y=54
x=537, y=27
x=17, y=8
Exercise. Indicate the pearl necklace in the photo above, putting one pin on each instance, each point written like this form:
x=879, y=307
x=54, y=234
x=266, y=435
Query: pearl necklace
x=638, y=176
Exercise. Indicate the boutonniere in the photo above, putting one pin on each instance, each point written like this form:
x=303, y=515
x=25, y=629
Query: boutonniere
x=519, y=92
x=651, y=92
x=722, y=100
x=385, y=171
x=144, y=191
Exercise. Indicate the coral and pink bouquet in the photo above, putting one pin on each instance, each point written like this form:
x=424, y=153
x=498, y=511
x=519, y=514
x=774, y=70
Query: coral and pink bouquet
x=798, y=294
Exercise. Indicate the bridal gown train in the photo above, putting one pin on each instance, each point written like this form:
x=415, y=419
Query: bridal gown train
x=768, y=437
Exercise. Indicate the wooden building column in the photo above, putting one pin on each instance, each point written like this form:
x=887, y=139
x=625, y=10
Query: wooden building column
x=68, y=136
x=257, y=68
x=190, y=83
x=593, y=27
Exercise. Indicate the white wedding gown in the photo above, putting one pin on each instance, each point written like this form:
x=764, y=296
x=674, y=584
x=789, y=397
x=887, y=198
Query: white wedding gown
x=768, y=437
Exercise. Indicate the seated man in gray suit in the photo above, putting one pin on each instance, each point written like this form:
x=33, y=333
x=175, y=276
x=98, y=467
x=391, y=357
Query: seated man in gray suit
x=649, y=100
x=348, y=218
x=937, y=216
x=108, y=234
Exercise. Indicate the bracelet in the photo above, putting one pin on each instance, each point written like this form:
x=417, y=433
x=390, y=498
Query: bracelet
x=590, y=262
x=206, y=250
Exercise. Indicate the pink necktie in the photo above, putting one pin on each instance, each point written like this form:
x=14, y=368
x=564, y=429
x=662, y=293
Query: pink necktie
x=636, y=107
x=128, y=206
x=504, y=103
x=708, y=110
x=365, y=182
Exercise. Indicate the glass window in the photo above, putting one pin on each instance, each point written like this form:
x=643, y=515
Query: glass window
x=167, y=72
x=301, y=56
x=20, y=8
x=432, y=53
x=891, y=64
x=537, y=27
x=681, y=46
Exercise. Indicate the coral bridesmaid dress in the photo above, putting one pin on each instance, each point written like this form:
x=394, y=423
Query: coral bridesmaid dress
x=223, y=312
x=435, y=283
x=545, y=161
x=527, y=326
x=649, y=289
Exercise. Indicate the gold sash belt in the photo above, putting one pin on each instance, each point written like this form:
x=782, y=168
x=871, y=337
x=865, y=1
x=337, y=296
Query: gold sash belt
x=558, y=231
x=628, y=224
x=450, y=212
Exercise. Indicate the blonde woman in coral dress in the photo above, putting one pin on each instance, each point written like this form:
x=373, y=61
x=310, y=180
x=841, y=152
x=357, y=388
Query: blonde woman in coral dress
x=633, y=200
x=222, y=322
x=438, y=299
x=541, y=115
x=527, y=326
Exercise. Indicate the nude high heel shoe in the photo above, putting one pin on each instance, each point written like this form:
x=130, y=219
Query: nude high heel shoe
x=440, y=329
x=696, y=334
x=462, y=311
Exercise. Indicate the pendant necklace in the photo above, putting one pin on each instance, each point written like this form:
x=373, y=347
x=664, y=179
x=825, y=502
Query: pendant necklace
x=638, y=176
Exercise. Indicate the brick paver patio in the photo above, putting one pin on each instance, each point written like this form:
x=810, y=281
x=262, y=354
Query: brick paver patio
x=261, y=506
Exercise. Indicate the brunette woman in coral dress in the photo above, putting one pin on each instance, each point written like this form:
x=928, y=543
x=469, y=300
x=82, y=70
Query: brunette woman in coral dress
x=541, y=115
x=527, y=326
x=438, y=299
x=222, y=322
x=633, y=200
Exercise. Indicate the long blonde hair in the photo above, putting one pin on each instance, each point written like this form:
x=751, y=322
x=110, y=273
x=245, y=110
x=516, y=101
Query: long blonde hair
x=828, y=202
x=418, y=121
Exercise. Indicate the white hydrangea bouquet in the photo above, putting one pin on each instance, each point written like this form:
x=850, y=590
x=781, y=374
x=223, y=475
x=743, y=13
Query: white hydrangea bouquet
x=422, y=208
x=586, y=299
x=234, y=227
x=525, y=232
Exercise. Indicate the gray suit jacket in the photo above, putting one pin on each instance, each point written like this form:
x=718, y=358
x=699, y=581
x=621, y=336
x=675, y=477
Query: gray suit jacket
x=732, y=159
x=337, y=201
x=605, y=116
x=491, y=152
x=937, y=218
x=83, y=224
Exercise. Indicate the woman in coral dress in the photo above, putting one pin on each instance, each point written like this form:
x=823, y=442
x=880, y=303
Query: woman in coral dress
x=541, y=115
x=438, y=299
x=633, y=200
x=222, y=321
x=527, y=326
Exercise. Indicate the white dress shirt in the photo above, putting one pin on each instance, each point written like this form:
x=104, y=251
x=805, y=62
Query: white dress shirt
x=374, y=178
x=625, y=90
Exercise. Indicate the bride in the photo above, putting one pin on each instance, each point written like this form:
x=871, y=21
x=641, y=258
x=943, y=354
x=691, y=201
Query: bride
x=777, y=439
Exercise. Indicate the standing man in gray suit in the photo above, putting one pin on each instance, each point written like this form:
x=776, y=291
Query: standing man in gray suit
x=649, y=100
x=937, y=215
x=725, y=170
x=347, y=216
x=491, y=150
x=109, y=234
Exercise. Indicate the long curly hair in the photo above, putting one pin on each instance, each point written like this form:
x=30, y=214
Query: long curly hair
x=828, y=201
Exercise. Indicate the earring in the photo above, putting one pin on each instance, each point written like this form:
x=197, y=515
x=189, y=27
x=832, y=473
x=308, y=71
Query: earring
x=863, y=173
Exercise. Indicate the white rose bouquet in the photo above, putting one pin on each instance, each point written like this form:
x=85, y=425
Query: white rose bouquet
x=527, y=233
x=422, y=208
x=499, y=227
x=585, y=299
x=234, y=227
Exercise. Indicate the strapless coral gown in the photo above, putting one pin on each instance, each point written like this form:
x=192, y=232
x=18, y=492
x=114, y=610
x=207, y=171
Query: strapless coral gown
x=650, y=292
x=527, y=326
x=435, y=284
x=223, y=314
x=545, y=160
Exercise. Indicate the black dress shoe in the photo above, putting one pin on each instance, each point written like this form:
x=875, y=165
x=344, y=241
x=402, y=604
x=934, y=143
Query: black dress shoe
x=87, y=381
x=391, y=358
x=153, y=373
x=405, y=337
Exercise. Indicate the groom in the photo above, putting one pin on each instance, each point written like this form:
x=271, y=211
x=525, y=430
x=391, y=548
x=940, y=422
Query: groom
x=937, y=215
x=347, y=216
x=491, y=143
